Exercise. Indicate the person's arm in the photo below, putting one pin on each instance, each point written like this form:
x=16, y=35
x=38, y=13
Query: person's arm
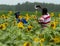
x=40, y=20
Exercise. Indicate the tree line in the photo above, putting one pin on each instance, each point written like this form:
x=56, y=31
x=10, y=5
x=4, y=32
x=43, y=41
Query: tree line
x=28, y=6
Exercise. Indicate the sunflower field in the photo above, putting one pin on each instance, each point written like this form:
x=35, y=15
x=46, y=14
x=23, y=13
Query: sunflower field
x=30, y=34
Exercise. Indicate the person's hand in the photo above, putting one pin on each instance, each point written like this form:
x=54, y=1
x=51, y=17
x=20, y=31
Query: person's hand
x=38, y=6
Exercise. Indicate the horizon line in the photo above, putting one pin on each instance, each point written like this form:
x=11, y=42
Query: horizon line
x=31, y=2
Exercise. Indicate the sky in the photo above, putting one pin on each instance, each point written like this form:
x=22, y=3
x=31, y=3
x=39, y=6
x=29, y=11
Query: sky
x=14, y=2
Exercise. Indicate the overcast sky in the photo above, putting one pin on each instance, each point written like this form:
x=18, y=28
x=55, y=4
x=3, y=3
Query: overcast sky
x=14, y=2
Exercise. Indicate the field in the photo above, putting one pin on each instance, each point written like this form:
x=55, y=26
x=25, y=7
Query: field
x=30, y=34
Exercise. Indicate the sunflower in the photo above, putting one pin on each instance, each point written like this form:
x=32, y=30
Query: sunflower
x=3, y=16
x=42, y=40
x=41, y=44
x=29, y=27
x=20, y=17
x=56, y=39
x=6, y=24
x=53, y=25
x=52, y=14
x=27, y=17
x=6, y=17
x=2, y=27
x=36, y=39
x=34, y=17
x=20, y=25
x=27, y=44
x=59, y=15
x=10, y=12
x=57, y=21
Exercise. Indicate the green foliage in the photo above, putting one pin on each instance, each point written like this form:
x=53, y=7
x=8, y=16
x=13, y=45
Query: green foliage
x=28, y=6
x=14, y=36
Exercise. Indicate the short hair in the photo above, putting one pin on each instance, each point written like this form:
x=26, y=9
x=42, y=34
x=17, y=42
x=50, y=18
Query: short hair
x=44, y=11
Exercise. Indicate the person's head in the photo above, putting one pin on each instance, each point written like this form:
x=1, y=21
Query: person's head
x=44, y=11
x=17, y=14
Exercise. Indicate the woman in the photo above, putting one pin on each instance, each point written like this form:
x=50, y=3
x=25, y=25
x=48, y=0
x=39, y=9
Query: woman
x=45, y=18
x=17, y=14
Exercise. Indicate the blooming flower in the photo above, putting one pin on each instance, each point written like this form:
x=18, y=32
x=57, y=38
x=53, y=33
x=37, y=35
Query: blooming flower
x=20, y=17
x=20, y=25
x=36, y=39
x=27, y=17
x=10, y=12
x=42, y=40
x=27, y=44
x=2, y=27
x=29, y=27
x=53, y=25
x=3, y=16
x=52, y=14
x=56, y=39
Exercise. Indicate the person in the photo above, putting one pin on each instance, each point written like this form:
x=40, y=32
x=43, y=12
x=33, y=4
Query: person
x=45, y=18
x=17, y=14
